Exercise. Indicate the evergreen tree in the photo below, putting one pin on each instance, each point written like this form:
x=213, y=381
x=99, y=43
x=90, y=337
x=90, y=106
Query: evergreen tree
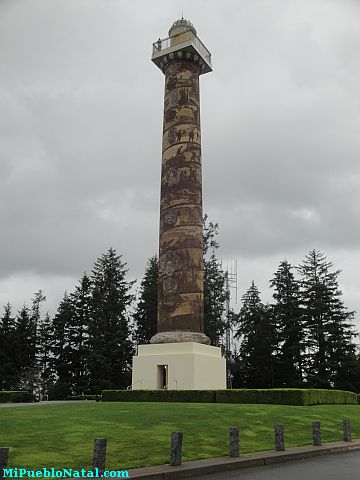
x=145, y=315
x=34, y=375
x=61, y=358
x=255, y=332
x=38, y=299
x=78, y=335
x=287, y=319
x=71, y=341
x=216, y=293
x=348, y=374
x=44, y=355
x=329, y=345
x=8, y=364
x=25, y=349
x=110, y=348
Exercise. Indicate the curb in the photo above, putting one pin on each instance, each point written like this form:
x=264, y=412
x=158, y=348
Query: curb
x=221, y=464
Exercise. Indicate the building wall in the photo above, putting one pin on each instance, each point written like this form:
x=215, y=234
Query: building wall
x=191, y=366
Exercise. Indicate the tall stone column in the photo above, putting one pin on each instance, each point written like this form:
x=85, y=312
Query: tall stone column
x=180, y=357
x=181, y=278
x=182, y=58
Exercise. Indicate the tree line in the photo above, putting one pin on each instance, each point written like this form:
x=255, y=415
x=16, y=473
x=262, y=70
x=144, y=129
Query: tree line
x=304, y=338
x=87, y=345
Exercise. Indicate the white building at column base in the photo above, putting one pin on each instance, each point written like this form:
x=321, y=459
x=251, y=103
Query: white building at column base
x=179, y=366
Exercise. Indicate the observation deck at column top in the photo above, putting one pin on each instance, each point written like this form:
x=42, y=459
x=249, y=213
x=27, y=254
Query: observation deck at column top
x=181, y=44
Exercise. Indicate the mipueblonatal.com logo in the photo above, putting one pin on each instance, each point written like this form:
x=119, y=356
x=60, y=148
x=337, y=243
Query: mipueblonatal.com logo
x=62, y=473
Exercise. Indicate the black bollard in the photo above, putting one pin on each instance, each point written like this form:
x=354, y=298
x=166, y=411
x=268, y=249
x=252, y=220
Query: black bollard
x=316, y=434
x=347, y=430
x=234, y=447
x=279, y=438
x=99, y=458
x=4, y=458
x=176, y=446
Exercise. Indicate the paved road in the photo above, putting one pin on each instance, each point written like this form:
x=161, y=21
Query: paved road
x=340, y=466
x=53, y=402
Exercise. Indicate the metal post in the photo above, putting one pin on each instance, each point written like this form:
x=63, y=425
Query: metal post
x=99, y=458
x=347, y=430
x=279, y=437
x=234, y=450
x=316, y=434
x=176, y=446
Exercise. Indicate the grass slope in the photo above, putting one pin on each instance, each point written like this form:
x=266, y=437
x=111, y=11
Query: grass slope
x=139, y=433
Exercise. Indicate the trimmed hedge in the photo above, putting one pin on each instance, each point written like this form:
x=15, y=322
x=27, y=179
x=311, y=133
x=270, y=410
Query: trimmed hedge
x=85, y=397
x=280, y=396
x=199, y=396
x=286, y=396
x=15, y=396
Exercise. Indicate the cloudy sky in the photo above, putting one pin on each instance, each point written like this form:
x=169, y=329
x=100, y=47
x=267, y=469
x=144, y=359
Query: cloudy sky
x=80, y=136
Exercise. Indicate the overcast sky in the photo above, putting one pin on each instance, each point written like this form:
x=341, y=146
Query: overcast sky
x=81, y=127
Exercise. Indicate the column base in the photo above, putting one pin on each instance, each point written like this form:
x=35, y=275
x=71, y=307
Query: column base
x=180, y=337
x=179, y=366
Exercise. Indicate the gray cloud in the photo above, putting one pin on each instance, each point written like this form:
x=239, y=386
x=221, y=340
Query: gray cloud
x=80, y=135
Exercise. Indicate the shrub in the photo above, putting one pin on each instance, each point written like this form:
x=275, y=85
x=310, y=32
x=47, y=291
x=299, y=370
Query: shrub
x=280, y=396
x=199, y=396
x=286, y=396
x=59, y=391
x=15, y=396
x=85, y=397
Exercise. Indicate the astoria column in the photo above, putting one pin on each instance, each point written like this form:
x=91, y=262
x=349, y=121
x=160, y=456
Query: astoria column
x=179, y=355
x=182, y=58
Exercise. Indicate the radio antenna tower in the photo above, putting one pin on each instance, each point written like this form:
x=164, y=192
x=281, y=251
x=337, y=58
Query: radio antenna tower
x=231, y=284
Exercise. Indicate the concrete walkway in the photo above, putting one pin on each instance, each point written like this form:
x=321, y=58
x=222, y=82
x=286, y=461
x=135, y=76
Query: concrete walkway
x=344, y=466
x=52, y=402
x=226, y=464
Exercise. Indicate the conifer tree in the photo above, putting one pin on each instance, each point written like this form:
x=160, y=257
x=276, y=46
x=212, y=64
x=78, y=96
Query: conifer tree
x=255, y=333
x=46, y=372
x=34, y=374
x=329, y=330
x=61, y=358
x=71, y=341
x=288, y=322
x=78, y=335
x=25, y=349
x=216, y=294
x=110, y=348
x=145, y=315
x=38, y=299
x=8, y=364
x=347, y=376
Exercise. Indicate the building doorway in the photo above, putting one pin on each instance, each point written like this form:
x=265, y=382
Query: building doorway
x=162, y=376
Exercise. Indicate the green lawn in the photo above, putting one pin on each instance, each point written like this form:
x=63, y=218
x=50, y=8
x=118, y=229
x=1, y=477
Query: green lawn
x=138, y=433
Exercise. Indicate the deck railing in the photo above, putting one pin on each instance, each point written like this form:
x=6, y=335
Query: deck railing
x=164, y=43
